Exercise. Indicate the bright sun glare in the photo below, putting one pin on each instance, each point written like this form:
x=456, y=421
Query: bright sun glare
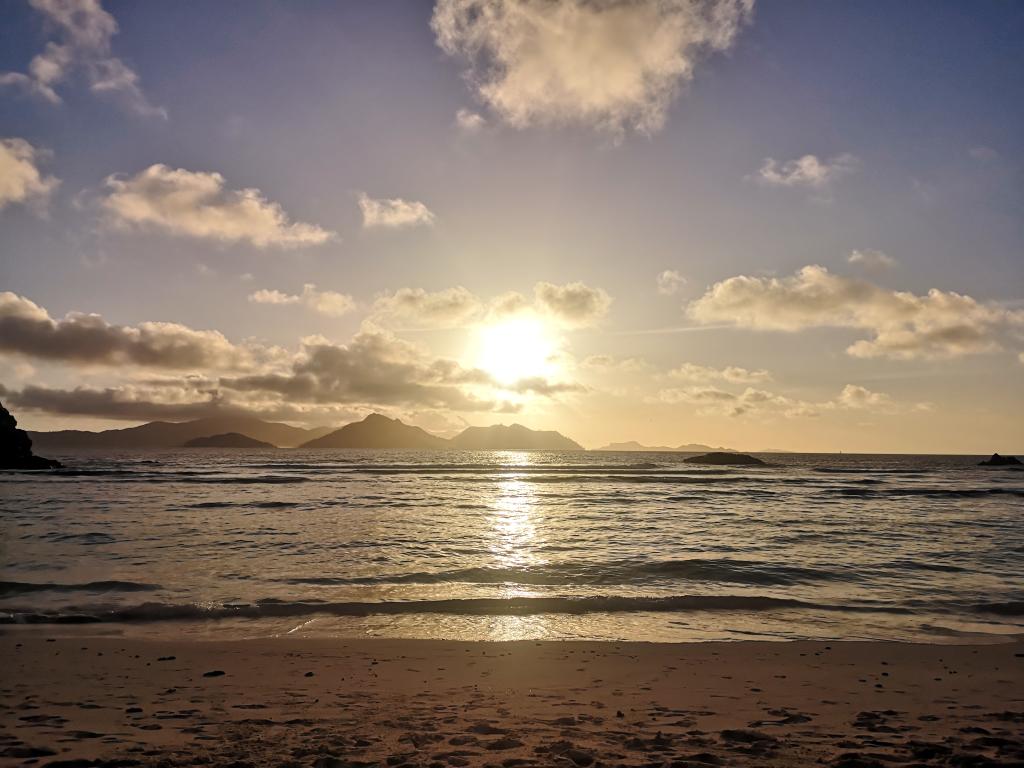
x=519, y=348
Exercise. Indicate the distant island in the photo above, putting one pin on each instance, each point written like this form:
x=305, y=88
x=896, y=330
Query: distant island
x=227, y=440
x=633, y=445
x=514, y=437
x=377, y=431
x=164, y=434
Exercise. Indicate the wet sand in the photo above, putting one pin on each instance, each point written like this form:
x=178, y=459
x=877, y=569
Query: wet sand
x=84, y=701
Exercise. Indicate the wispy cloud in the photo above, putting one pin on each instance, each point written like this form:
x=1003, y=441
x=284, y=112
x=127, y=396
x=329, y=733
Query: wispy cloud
x=614, y=66
x=872, y=259
x=21, y=181
x=84, y=31
x=669, y=282
x=199, y=204
x=806, y=171
x=393, y=213
x=329, y=303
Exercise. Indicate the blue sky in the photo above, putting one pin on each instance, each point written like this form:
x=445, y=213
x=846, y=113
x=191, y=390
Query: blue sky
x=912, y=112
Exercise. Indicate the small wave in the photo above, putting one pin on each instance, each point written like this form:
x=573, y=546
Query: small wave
x=930, y=493
x=622, y=572
x=518, y=606
x=243, y=504
x=1009, y=608
x=8, y=588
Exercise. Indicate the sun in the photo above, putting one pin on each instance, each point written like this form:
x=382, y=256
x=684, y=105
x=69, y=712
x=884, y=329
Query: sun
x=515, y=349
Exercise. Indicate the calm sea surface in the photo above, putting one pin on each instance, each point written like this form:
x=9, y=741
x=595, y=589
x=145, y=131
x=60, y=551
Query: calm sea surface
x=501, y=545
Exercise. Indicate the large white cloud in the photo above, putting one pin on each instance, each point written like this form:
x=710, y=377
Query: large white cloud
x=903, y=325
x=330, y=303
x=84, y=31
x=81, y=339
x=393, y=213
x=198, y=204
x=614, y=64
x=21, y=181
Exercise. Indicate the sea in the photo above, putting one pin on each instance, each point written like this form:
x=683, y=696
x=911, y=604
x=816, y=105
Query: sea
x=503, y=545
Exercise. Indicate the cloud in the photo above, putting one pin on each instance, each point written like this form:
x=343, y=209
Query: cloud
x=855, y=396
x=20, y=178
x=27, y=329
x=84, y=31
x=330, y=303
x=197, y=204
x=450, y=308
x=903, y=325
x=753, y=401
x=614, y=64
x=807, y=171
x=871, y=259
x=669, y=282
x=983, y=154
x=731, y=373
x=574, y=304
x=375, y=368
x=469, y=121
x=393, y=213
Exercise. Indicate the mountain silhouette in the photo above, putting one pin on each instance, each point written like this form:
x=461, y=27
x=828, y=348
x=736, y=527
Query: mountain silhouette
x=163, y=434
x=376, y=431
x=515, y=437
x=227, y=440
x=633, y=445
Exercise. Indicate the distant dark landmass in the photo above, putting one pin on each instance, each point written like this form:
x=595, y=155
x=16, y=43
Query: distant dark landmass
x=514, y=437
x=376, y=431
x=633, y=445
x=1000, y=461
x=16, y=446
x=227, y=440
x=163, y=434
x=725, y=459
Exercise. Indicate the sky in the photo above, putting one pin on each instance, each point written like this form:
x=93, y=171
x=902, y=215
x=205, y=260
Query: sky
x=790, y=225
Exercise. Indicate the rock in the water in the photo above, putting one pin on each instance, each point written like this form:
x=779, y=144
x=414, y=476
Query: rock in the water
x=1000, y=461
x=16, y=446
x=725, y=459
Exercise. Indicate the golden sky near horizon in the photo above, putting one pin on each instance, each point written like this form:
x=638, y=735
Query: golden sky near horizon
x=670, y=222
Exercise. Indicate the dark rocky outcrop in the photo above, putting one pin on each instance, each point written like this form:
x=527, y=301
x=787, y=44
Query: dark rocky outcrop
x=514, y=437
x=16, y=446
x=726, y=460
x=376, y=431
x=227, y=440
x=1000, y=461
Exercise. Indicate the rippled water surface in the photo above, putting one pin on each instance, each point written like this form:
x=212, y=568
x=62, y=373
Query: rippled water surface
x=508, y=544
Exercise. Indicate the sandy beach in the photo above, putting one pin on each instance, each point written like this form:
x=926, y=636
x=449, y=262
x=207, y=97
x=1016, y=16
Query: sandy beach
x=84, y=701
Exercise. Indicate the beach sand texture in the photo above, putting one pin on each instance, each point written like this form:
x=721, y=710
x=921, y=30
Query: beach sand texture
x=84, y=701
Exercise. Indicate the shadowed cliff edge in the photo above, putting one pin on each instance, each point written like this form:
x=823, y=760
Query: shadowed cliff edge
x=16, y=446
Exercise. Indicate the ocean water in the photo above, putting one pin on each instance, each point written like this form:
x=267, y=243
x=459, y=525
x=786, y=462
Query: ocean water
x=507, y=545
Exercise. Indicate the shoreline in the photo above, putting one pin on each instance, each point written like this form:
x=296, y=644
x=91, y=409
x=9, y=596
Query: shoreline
x=301, y=701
